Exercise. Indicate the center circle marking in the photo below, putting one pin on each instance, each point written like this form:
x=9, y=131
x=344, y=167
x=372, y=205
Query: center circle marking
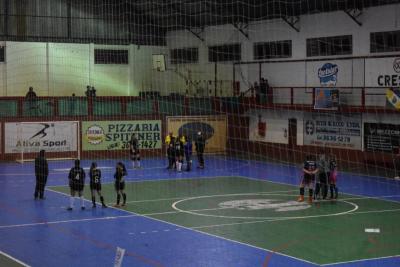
x=174, y=206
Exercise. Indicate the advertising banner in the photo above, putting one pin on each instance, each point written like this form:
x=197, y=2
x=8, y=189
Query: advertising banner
x=382, y=72
x=381, y=137
x=213, y=128
x=332, y=130
x=57, y=136
x=326, y=98
x=115, y=135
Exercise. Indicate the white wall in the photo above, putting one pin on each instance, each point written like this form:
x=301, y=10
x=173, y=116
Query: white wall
x=60, y=69
x=351, y=72
x=277, y=123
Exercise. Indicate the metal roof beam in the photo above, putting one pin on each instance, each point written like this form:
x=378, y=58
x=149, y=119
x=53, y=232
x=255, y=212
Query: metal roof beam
x=292, y=21
x=354, y=14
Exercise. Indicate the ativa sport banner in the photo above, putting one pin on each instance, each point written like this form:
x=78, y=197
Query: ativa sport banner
x=54, y=136
x=332, y=130
x=213, y=128
x=115, y=135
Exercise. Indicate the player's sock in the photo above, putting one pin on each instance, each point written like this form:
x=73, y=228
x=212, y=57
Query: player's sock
x=71, y=202
x=118, y=198
x=133, y=164
x=124, y=199
x=138, y=162
x=102, y=202
x=82, y=203
x=94, y=201
x=310, y=195
x=301, y=197
x=177, y=164
x=336, y=191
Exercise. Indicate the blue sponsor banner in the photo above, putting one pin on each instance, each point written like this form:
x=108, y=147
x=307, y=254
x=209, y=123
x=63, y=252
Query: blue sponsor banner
x=326, y=98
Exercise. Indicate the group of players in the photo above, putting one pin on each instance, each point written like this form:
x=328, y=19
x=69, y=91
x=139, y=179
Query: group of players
x=76, y=181
x=177, y=148
x=319, y=174
x=181, y=147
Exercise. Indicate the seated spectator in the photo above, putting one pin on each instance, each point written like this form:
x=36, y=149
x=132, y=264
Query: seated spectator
x=30, y=95
x=31, y=98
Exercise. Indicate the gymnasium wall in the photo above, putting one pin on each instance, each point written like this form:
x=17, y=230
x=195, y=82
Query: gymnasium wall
x=60, y=69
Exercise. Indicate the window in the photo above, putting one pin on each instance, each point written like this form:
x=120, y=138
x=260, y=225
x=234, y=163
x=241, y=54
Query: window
x=2, y=54
x=385, y=41
x=184, y=55
x=278, y=49
x=224, y=53
x=330, y=46
x=108, y=56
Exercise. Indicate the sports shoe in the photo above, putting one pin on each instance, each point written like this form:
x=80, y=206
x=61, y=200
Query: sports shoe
x=116, y=205
x=94, y=206
x=310, y=199
x=103, y=206
x=69, y=208
x=300, y=199
x=82, y=208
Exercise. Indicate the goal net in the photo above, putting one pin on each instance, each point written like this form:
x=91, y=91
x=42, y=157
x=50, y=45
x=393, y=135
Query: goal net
x=283, y=87
x=248, y=89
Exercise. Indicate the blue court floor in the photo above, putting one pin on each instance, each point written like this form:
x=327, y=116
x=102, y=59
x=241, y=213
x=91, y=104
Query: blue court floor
x=43, y=233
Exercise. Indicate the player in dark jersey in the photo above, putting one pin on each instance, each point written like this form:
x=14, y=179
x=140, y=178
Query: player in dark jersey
x=179, y=152
x=134, y=151
x=309, y=171
x=41, y=173
x=119, y=176
x=321, y=186
x=95, y=184
x=200, y=146
x=188, y=153
x=76, y=179
x=171, y=153
x=332, y=174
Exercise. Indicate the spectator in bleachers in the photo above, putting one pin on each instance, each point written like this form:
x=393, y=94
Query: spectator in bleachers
x=31, y=98
x=90, y=91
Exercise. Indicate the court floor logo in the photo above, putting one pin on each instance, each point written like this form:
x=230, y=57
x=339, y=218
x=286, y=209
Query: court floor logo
x=264, y=204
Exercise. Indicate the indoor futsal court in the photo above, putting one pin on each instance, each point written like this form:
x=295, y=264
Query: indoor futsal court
x=175, y=219
x=199, y=133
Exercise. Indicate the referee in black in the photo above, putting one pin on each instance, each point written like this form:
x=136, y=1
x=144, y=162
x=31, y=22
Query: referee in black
x=41, y=173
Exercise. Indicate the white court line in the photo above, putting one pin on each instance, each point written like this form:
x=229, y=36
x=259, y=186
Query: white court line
x=175, y=198
x=350, y=194
x=14, y=259
x=204, y=233
x=85, y=168
x=288, y=218
x=360, y=260
x=220, y=237
x=66, y=221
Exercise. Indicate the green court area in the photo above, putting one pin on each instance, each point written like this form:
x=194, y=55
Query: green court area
x=266, y=215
